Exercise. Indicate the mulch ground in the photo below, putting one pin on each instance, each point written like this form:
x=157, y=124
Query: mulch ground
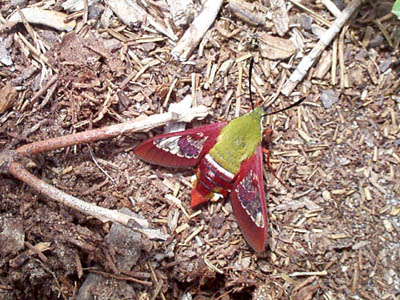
x=333, y=227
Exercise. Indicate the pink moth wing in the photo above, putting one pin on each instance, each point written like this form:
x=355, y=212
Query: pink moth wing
x=180, y=149
x=248, y=201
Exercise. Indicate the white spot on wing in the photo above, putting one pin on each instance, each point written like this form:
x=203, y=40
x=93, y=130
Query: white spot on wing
x=188, y=147
x=252, y=206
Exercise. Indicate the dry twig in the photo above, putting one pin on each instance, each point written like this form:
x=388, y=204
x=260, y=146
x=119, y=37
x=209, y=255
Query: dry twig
x=196, y=31
x=324, y=41
x=9, y=164
x=50, y=18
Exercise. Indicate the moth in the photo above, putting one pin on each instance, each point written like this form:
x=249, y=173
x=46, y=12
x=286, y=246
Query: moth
x=229, y=160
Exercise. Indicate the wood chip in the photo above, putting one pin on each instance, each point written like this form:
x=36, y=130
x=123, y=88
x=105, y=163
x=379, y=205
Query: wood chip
x=388, y=225
x=280, y=16
x=193, y=234
x=338, y=236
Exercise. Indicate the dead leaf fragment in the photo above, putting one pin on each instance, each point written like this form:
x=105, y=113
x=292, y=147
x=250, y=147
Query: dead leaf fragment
x=8, y=97
x=307, y=292
x=275, y=47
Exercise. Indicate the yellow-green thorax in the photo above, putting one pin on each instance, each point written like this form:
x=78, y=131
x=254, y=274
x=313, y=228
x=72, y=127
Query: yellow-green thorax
x=238, y=140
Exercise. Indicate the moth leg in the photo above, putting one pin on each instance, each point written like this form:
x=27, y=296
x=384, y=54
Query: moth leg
x=267, y=153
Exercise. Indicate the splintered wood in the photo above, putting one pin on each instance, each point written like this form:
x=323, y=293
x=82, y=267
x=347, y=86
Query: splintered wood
x=192, y=37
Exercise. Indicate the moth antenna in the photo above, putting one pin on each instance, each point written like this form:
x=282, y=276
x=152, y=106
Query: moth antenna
x=250, y=75
x=251, y=93
x=286, y=108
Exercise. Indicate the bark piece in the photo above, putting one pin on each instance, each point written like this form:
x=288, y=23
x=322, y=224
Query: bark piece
x=245, y=11
x=182, y=11
x=324, y=65
x=12, y=235
x=280, y=16
x=307, y=292
x=127, y=241
x=8, y=97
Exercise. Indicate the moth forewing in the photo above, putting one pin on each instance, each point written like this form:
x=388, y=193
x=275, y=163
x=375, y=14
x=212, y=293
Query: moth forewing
x=180, y=149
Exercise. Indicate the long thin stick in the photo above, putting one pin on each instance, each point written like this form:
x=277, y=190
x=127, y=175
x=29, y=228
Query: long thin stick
x=9, y=164
x=111, y=131
x=103, y=214
x=324, y=41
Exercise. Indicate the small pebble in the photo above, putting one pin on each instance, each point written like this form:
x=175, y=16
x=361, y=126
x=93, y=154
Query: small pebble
x=12, y=235
x=306, y=21
x=328, y=98
x=20, y=3
x=339, y=4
